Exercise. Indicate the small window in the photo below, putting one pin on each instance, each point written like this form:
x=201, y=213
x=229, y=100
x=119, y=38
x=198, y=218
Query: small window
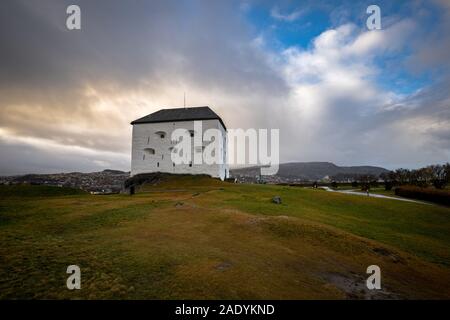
x=161, y=134
x=191, y=133
x=157, y=164
x=148, y=140
x=190, y=164
x=162, y=157
x=143, y=157
x=149, y=150
x=173, y=164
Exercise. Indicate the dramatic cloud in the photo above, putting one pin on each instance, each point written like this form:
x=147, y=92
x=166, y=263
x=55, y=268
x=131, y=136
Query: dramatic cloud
x=67, y=97
x=342, y=104
x=82, y=88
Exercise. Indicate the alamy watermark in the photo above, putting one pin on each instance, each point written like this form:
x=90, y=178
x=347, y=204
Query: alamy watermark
x=74, y=280
x=245, y=147
x=374, y=280
x=73, y=21
x=373, y=22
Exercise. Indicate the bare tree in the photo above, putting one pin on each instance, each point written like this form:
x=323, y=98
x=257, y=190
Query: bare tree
x=436, y=175
x=447, y=172
x=439, y=176
x=366, y=180
x=403, y=176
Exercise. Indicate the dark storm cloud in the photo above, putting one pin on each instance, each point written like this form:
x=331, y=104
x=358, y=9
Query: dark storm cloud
x=135, y=46
x=130, y=41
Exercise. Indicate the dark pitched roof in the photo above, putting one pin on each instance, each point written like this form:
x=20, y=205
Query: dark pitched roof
x=180, y=114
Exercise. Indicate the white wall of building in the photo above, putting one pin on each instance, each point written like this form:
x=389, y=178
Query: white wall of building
x=146, y=137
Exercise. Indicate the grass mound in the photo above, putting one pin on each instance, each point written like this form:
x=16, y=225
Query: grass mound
x=159, y=180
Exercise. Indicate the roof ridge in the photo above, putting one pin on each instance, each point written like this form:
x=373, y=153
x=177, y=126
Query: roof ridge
x=180, y=114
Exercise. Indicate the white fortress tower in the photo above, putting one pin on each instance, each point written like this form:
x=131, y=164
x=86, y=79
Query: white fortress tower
x=152, y=144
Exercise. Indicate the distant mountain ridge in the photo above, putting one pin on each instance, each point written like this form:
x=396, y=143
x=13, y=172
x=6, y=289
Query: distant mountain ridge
x=312, y=170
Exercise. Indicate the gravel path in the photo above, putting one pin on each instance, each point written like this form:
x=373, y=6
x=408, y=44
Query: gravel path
x=373, y=195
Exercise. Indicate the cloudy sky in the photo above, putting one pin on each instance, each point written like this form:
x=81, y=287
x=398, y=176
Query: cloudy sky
x=337, y=91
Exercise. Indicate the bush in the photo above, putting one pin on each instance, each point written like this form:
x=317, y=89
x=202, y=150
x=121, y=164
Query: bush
x=374, y=184
x=439, y=183
x=426, y=194
x=422, y=184
x=388, y=185
x=142, y=178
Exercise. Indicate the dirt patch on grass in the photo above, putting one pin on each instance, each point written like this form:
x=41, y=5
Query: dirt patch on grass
x=223, y=266
x=354, y=287
x=389, y=254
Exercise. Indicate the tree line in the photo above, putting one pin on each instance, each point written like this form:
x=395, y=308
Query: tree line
x=436, y=175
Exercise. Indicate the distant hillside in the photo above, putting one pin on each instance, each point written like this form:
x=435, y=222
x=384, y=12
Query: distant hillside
x=312, y=170
x=104, y=181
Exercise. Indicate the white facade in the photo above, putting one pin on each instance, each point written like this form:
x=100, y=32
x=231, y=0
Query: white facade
x=152, y=147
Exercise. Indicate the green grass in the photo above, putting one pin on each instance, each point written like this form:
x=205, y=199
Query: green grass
x=409, y=226
x=37, y=191
x=193, y=237
x=382, y=191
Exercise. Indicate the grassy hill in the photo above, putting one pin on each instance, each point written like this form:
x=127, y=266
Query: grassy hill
x=195, y=237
